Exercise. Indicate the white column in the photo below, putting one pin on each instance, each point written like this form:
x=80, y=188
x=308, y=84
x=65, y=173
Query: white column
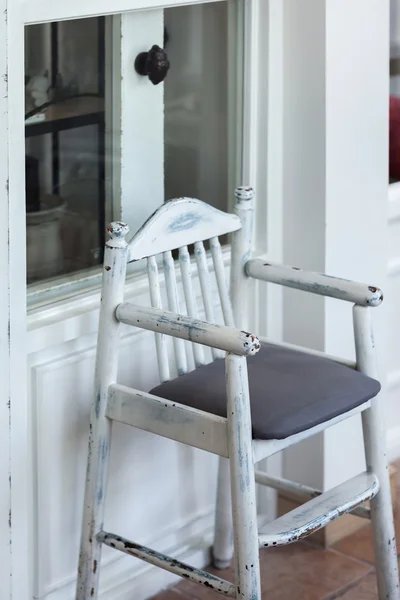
x=335, y=188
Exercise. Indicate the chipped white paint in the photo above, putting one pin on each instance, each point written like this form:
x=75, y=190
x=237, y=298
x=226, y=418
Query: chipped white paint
x=205, y=283
x=186, y=271
x=173, y=305
x=241, y=252
x=169, y=419
x=100, y=427
x=157, y=414
x=265, y=448
x=376, y=460
x=318, y=512
x=342, y=361
x=244, y=508
x=315, y=283
x=226, y=304
x=226, y=588
x=223, y=534
x=178, y=223
x=300, y=491
x=155, y=297
x=225, y=338
x=230, y=437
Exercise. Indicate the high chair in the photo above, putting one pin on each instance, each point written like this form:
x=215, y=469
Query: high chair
x=291, y=393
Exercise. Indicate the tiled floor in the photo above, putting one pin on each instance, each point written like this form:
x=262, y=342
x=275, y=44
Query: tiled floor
x=304, y=571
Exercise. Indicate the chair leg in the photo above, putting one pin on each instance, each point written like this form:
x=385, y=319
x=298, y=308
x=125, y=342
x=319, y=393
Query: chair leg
x=100, y=427
x=223, y=537
x=92, y=523
x=376, y=459
x=243, y=488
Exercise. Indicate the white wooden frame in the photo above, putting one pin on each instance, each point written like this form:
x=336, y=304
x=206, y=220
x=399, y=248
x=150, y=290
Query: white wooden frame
x=15, y=15
x=180, y=223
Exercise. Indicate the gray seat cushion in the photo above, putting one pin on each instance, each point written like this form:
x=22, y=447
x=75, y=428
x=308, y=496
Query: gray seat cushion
x=289, y=391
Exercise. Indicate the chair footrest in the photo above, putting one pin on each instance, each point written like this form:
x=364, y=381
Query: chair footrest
x=318, y=512
x=168, y=563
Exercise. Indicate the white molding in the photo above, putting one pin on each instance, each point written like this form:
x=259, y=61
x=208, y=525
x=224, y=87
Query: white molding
x=45, y=11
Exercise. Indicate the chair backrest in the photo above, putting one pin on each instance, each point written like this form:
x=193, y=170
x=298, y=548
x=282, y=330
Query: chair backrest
x=175, y=226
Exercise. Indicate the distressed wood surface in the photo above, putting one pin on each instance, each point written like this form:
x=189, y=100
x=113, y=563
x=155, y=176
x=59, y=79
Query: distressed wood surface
x=100, y=427
x=222, y=551
x=303, y=492
x=244, y=509
x=156, y=302
x=342, y=361
x=177, y=223
x=265, y=448
x=315, y=283
x=193, y=330
x=223, y=290
x=377, y=462
x=241, y=252
x=173, y=305
x=205, y=284
x=168, y=563
x=318, y=512
x=190, y=300
x=169, y=419
x=235, y=312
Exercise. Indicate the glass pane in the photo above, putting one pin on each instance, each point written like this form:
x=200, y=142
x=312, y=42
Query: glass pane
x=73, y=157
x=394, y=132
x=64, y=151
x=201, y=118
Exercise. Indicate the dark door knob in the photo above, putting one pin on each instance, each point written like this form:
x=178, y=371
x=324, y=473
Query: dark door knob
x=154, y=64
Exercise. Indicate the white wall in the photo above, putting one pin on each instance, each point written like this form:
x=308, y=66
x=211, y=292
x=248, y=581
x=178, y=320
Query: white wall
x=335, y=193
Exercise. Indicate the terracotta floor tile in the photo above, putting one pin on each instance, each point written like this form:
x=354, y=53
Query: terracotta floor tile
x=365, y=590
x=169, y=595
x=359, y=544
x=299, y=571
x=315, y=573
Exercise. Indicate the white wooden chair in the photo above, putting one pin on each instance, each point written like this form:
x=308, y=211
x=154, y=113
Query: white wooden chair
x=294, y=393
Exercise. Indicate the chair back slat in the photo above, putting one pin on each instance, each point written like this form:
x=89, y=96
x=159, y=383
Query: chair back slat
x=205, y=284
x=223, y=290
x=191, y=306
x=173, y=305
x=178, y=223
x=169, y=233
x=156, y=302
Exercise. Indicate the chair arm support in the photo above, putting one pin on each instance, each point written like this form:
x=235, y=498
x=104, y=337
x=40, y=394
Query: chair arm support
x=187, y=328
x=316, y=283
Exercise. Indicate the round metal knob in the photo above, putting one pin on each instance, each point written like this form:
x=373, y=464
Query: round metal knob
x=154, y=64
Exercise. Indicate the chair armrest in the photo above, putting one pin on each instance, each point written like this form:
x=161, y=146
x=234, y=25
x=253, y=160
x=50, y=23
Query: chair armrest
x=187, y=328
x=316, y=283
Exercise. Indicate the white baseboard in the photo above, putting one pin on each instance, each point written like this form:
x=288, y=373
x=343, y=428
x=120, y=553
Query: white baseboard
x=393, y=443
